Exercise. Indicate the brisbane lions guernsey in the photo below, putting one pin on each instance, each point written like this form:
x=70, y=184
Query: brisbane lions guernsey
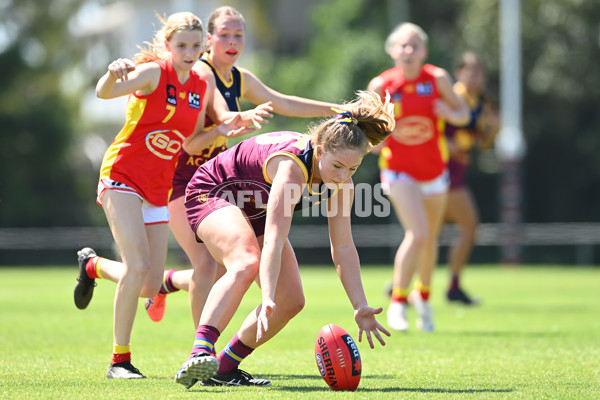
x=465, y=137
x=188, y=163
x=242, y=169
x=144, y=153
x=416, y=146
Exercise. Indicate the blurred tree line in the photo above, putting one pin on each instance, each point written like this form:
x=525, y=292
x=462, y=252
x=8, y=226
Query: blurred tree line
x=46, y=181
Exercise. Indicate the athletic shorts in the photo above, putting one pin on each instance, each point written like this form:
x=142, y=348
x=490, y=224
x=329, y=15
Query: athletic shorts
x=178, y=189
x=199, y=206
x=458, y=173
x=435, y=186
x=152, y=214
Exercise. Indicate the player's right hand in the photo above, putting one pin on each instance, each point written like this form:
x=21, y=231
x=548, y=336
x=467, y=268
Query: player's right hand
x=262, y=326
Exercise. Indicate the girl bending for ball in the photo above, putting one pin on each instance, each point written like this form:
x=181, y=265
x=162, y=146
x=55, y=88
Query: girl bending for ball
x=240, y=205
x=226, y=38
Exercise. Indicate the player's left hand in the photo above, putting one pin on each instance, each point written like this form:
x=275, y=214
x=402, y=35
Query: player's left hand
x=257, y=115
x=365, y=319
x=266, y=309
x=235, y=127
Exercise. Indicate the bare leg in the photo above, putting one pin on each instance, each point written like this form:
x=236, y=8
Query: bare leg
x=200, y=279
x=144, y=250
x=462, y=210
x=407, y=200
x=232, y=242
x=435, y=207
x=289, y=299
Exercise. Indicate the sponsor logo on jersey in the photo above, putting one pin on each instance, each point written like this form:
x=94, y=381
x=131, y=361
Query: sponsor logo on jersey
x=172, y=95
x=424, y=89
x=194, y=100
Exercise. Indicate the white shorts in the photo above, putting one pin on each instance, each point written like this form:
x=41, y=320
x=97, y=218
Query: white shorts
x=435, y=186
x=152, y=214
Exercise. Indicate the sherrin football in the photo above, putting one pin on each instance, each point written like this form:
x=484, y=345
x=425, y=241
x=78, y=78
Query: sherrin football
x=338, y=359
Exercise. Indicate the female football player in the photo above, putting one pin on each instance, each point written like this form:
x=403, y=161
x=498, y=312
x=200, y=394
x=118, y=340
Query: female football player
x=275, y=174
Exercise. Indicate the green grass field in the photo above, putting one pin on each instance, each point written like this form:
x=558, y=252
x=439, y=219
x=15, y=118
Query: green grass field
x=536, y=336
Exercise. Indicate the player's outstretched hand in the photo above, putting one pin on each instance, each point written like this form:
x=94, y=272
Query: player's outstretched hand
x=236, y=127
x=257, y=115
x=120, y=68
x=365, y=319
x=266, y=309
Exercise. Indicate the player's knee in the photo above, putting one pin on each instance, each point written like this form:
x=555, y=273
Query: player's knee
x=137, y=270
x=293, y=305
x=149, y=291
x=245, y=270
x=418, y=238
x=470, y=228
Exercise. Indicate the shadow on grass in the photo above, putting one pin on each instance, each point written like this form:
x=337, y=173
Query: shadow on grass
x=321, y=387
x=391, y=390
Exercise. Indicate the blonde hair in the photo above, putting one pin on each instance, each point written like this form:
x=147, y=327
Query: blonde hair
x=361, y=124
x=222, y=11
x=182, y=21
x=405, y=26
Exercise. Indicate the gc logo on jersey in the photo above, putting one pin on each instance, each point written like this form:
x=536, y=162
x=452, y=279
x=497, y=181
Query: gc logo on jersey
x=164, y=144
x=172, y=95
x=194, y=100
x=413, y=130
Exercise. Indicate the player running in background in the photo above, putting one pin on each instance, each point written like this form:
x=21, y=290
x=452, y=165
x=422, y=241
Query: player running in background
x=165, y=111
x=226, y=39
x=481, y=130
x=413, y=164
x=280, y=172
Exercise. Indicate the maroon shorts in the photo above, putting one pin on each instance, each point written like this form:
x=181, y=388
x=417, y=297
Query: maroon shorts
x=204, y=198
x=178, y=189
x=458, y=173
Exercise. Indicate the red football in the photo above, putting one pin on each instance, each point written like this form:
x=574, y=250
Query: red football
x=338, y=358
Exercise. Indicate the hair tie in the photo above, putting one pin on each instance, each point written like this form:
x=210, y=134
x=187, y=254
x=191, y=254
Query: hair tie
x=344, y=117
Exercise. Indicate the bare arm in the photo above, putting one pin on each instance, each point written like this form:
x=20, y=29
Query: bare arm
x=256, y=92
x=229, y=123
x=376, y=85
x=452, y=107
x=345, y=258
x=124, y=77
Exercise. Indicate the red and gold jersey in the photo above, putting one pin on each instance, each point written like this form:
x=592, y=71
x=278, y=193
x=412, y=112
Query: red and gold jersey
x=416, y=146
x=144, y=153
